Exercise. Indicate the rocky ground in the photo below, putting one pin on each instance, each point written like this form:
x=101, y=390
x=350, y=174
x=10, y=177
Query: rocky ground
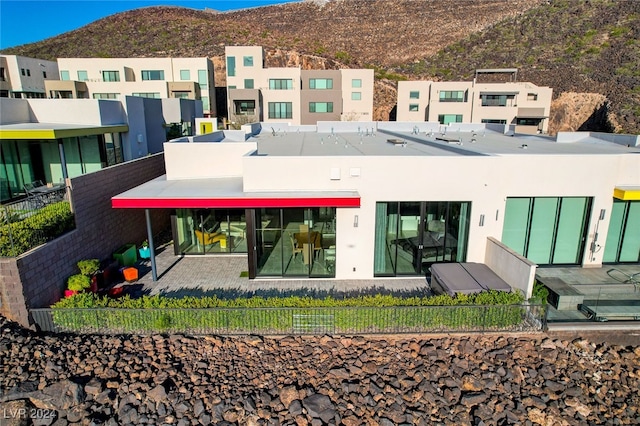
x=447, y=379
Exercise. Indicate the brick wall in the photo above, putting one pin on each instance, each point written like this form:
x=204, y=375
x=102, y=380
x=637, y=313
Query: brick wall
x=37, y=278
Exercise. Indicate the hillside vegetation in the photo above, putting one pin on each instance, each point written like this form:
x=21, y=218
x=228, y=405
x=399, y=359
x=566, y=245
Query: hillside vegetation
x=575, y=46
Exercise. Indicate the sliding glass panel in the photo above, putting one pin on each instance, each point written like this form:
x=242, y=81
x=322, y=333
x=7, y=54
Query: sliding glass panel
x=408, y=247
x=324, y=247
x=570, y=230
x=382, y=263
x=72, y=157
x=630, y=250
x=614, y=235
x=542, y=228
x=516, y=222
x=296, y=245
x=463, y=217
x=269, y=242
x=90, y=151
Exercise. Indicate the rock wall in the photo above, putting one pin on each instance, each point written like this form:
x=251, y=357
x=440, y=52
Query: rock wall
x=452, y=379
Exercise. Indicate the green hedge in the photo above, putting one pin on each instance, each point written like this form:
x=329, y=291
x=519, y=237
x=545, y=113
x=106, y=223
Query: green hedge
x=91, y=300
x=366, y=314
x=45, y=225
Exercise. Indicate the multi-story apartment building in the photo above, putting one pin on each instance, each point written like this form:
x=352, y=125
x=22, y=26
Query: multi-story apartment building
x=520, y=105
x=110, y=78
x=22, y=77
x=50, y=140
x=292, y=95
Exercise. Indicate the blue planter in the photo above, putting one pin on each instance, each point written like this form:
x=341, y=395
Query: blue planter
x=144, y=253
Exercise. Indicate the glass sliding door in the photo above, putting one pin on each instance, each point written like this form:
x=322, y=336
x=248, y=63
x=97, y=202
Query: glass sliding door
x=547, y=230
x=411, y=236
x=206, y=231
x=623, y=237
x=295, y=242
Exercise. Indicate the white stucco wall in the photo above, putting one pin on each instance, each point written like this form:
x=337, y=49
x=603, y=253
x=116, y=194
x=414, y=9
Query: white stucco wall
x=184, y=160
x=484, y=181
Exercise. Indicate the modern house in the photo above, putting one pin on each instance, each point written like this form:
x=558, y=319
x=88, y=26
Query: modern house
x=358, y=201
x=112, y=78
x=292, y=95
x=50, y=140
x=22, y=77
x=523, y=107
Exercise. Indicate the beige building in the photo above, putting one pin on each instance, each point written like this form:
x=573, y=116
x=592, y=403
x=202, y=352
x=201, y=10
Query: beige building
x=22, y=77
x=292, y=95
x=112, y=78
x=523, y=107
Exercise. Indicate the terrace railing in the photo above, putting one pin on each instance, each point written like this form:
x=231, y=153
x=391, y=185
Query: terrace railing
x=280, y=321
x=27, y=223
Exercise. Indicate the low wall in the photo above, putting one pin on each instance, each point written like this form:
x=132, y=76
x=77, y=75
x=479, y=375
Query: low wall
x=37, y=278
x=518, y=271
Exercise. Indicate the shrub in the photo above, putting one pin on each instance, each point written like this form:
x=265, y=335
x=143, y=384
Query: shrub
x=88, y=266
x=78, y=282
x=45, y=225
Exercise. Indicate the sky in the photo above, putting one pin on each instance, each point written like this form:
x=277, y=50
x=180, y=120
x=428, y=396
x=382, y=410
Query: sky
x=28, y=21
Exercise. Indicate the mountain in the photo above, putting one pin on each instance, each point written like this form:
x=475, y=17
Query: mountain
x=588, y=51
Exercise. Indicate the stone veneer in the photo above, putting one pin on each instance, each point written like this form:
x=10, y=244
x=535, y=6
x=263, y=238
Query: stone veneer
x=37, y=278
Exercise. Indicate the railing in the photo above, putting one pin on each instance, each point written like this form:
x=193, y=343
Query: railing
x=279, y=321
x=26, y=224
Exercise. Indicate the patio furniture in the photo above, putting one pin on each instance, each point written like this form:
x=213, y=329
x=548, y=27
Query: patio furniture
x=208, y=239
x=313, y=237
x=295, y=247
x=625, y=278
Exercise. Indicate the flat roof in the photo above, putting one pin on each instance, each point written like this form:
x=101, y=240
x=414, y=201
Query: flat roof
x=224, y=193
x=51, y=131
x=453, y=142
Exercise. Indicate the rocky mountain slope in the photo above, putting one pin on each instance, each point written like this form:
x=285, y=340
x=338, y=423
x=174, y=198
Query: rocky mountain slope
x=479, y=379
x=571, y=45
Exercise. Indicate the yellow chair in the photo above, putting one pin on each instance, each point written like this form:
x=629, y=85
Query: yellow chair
x=207, y=239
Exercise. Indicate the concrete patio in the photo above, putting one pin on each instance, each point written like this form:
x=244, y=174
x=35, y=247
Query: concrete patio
x=220, y=275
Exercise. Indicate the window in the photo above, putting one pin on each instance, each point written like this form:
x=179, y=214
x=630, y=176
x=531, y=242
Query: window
x=244, y=107
x=232, y=87
x=414, y=107
x=181, y=95
x=320, y=83
x=110, y=75
x=410, y=236
x=532, y=96
x=280, y=84
x=28, y=73
x=493, y=121
x=452, y=96
x=320, y=106
x=356, y=83
x=203, y=79
x=414, y=95
x=185, y=75
x=497, y=100
x=280, y=110
x=205, y=103
x=248, y=83
x=105, y=95
x=247, y=61
x=64, y=75
x=155, y=95
x=547, y=230
x=82, y=76
x=623, y=238
x=44, y=74
x=528, y=121
x=449, y=118
x=153, y=75
x=231, y=66
x=356, y=96
x=3, y=75
x=22, y=71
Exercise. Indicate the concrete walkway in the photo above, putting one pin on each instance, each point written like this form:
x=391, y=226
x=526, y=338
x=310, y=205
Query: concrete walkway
x=220, y=275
